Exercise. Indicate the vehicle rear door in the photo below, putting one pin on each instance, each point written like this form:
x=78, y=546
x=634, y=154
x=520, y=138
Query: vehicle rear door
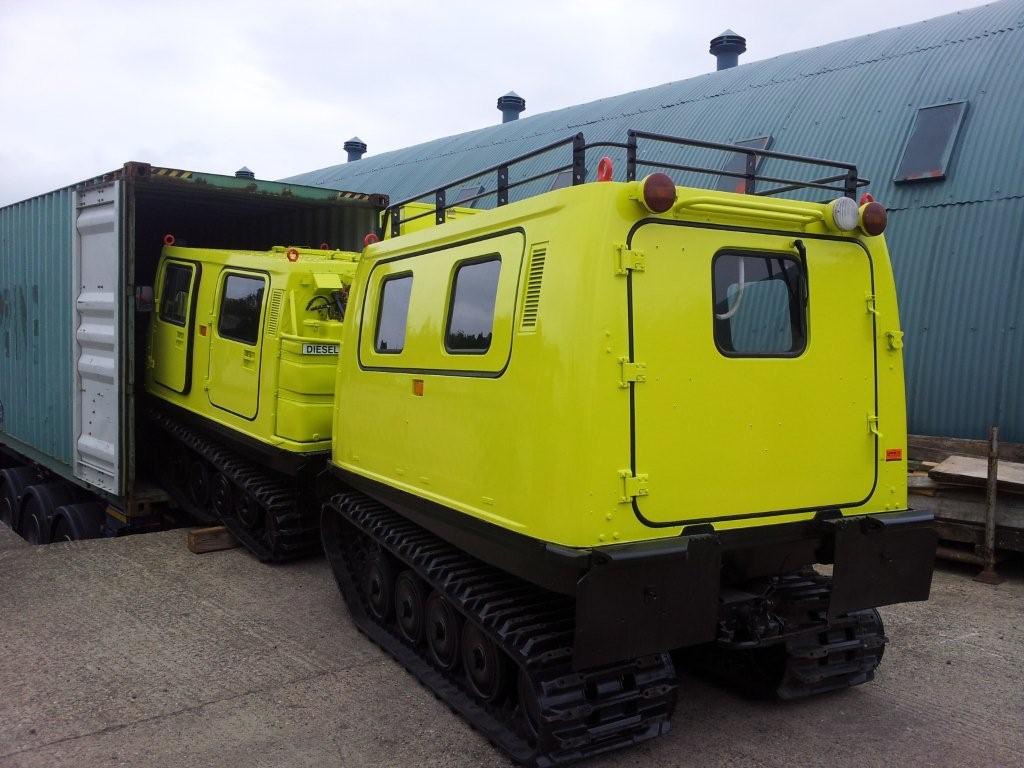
x=759, y=394
x=237, y=342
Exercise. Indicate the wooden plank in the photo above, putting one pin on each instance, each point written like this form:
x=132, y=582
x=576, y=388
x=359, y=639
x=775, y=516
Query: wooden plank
x=211, y=539
x=968, y=470
x=930, y=448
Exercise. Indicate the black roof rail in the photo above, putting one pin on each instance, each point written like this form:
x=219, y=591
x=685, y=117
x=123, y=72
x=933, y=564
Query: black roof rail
x=847, y=172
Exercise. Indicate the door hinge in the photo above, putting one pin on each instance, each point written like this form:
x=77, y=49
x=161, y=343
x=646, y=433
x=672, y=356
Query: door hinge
x=895, y=339
x=632, y=486
x=628, y=259
x=630, y=372
x=870, y=299
x=873, y=426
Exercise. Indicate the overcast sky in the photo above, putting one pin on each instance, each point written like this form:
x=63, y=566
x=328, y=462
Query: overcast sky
x=279, y=86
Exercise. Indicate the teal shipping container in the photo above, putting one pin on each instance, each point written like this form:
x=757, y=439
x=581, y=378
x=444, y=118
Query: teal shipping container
x=76, y=266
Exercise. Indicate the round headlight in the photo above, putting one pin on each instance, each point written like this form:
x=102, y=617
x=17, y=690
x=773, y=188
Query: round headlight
x=843, y=213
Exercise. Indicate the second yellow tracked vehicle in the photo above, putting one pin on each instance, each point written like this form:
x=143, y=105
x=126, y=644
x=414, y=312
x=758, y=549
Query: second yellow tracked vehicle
x=582, y=432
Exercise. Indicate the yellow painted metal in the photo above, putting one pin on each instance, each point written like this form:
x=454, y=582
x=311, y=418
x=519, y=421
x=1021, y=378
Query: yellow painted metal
x=537, y=435
x=170, y=333
x=278, y=390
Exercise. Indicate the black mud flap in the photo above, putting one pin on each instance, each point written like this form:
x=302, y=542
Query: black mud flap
x=882, y=559
x=646, y=598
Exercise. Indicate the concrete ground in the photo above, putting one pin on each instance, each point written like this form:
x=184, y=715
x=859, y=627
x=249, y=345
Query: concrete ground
x=136, y=652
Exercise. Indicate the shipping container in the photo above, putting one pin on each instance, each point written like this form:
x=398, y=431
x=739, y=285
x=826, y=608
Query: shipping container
x=76, y=270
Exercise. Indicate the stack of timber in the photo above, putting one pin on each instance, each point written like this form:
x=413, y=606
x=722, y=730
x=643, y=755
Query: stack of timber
x=949, y=477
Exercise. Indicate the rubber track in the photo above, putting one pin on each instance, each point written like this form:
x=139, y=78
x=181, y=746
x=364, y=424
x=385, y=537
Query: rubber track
x=827, y=655
x=583, y=713
x=288, y=531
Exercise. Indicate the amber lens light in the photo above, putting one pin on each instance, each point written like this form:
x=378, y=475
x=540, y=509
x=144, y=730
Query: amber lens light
x=873, y=218
x=659, y=192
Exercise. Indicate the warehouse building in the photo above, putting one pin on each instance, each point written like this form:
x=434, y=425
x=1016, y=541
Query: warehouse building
x=930, y=112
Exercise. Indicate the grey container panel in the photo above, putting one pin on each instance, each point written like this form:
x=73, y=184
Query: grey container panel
x=35, y=321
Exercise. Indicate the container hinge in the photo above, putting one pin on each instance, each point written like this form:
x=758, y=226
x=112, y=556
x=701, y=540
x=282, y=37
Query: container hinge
x=870, y=299
x=631, y=372
x=895, y=339
x=873, y=425
x=628, y=259
x=632, y=486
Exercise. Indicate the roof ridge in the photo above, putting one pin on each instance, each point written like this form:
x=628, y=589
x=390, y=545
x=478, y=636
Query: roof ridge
x=371, y=168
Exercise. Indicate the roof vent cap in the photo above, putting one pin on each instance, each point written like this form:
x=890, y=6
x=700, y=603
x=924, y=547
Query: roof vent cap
x=511, y=104
x=245, y=173
x=356, y=148
x=727, y=48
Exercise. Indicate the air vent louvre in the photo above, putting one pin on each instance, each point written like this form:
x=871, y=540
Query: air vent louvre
x=531, y=304
x=274, y=314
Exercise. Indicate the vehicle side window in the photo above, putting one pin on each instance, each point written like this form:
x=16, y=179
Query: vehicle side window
x=394, y=313
x=174, y=294
x=241, y=305
x=759, y=305
x=471, y=317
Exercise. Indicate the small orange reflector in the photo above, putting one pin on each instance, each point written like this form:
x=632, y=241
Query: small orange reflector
x=417, y=387
x=894, y=454
x=202, y=330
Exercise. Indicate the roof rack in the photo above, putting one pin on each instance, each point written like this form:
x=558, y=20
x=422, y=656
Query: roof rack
x=846, y=181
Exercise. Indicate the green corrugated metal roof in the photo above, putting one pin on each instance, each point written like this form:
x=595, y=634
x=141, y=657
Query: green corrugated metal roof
x=955, y=243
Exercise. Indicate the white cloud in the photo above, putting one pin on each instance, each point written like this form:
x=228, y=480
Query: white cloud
x=280, y=86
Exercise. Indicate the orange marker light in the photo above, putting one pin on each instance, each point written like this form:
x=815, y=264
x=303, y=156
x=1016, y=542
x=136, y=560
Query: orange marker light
x=202, y=330
x=292, y=254
x=894, y=454
x=417, y=387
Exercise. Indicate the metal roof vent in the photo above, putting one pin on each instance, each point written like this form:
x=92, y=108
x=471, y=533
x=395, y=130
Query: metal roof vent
x=245, y=173
x=511, y=104
x=356, y=148
x=727, y=48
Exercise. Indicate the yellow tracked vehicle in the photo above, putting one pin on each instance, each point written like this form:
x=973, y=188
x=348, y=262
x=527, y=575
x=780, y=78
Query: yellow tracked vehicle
x=585, y=432
x=243, y=347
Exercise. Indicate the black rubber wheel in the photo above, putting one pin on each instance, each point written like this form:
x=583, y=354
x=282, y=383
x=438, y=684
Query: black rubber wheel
x=179, y=458
x=485, y=664
x=409, y=607
x=13, y=482
x=379, y=586
x=249, y=512
x=75, y=522
x=443, y=633
x=37, y=509
x=200, y=490
x=225, y=497
x=62, y=531
x=529, y=707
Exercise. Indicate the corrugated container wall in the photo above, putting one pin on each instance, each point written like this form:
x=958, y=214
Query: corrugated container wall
x=35, y=323
x=956, y=243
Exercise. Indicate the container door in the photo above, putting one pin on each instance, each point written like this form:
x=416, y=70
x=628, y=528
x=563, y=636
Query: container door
x=96, y=397
x=237, y=343
x=759, y=388
x=172, y=332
